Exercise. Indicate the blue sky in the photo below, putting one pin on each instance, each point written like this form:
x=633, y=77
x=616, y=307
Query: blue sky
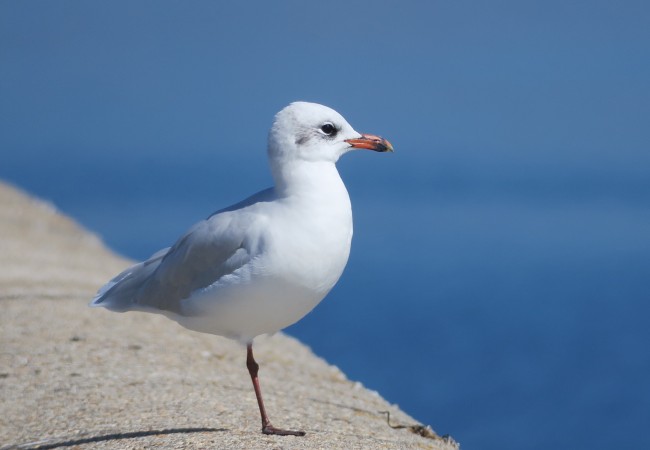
x=529, y=82
x=544, y=97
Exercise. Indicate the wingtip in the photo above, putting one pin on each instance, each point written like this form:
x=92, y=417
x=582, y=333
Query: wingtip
x=98, y=299
x=95, y=302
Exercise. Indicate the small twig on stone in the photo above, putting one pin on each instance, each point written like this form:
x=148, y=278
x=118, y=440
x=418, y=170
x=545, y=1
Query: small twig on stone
x=422, y=430
x=388, y=420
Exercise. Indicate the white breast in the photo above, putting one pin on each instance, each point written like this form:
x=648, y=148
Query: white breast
x=299, y=257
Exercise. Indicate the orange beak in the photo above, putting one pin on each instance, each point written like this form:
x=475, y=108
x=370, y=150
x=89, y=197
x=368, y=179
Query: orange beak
x=371, y=142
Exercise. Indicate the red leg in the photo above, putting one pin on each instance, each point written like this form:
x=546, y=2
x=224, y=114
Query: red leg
x=267, y=428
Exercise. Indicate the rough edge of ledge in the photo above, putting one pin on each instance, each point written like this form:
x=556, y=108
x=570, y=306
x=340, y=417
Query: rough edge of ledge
x=57, y=348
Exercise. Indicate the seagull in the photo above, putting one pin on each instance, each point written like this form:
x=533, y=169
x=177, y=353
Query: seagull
x=262, y=264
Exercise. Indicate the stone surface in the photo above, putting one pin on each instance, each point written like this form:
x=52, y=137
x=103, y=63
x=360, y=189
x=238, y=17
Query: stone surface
x=76, y=377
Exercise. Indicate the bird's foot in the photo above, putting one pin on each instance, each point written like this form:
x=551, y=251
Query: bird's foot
x=270, y=429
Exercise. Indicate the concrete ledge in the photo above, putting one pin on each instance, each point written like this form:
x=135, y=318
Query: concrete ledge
x=71, y=376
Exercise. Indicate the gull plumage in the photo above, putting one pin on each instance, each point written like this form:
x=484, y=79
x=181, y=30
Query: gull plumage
x=262, y=264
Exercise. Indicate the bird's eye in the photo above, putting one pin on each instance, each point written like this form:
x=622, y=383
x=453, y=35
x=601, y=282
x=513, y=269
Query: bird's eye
x=328, y=129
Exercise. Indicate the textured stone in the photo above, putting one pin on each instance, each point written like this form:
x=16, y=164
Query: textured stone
x=72, y=376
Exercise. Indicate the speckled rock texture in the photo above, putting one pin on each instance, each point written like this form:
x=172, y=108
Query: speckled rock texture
x=76, y=377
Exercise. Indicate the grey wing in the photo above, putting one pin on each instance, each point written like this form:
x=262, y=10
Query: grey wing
x=211, y=249
x=119, y=293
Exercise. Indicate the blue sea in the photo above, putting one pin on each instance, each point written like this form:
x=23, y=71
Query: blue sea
x=498, y=287
x=506, y=308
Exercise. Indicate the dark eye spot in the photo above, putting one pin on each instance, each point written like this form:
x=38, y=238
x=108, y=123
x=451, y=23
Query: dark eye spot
x=328, y=129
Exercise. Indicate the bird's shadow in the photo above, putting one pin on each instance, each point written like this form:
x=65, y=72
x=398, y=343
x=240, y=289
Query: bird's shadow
x=50, y=443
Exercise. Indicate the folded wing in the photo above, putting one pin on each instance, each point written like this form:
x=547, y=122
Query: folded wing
x=210, y=250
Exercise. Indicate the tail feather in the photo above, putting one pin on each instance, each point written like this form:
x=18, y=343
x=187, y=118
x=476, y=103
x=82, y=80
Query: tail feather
x=121, y=293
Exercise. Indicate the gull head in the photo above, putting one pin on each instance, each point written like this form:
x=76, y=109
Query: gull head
x=311, y=132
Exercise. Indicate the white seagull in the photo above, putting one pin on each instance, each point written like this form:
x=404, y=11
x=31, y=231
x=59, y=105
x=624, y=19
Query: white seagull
x=260, y=265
